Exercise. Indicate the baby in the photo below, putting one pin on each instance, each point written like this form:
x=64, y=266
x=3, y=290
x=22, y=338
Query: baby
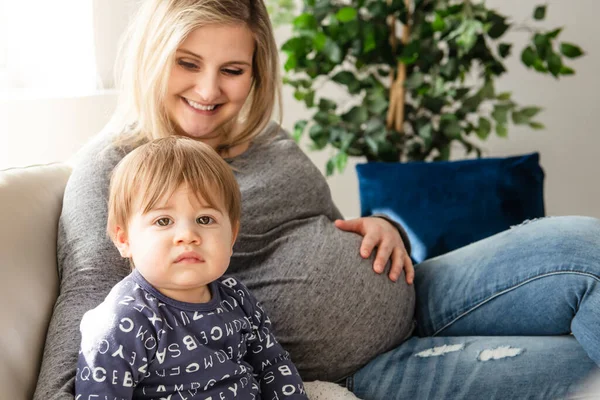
x=175, y=327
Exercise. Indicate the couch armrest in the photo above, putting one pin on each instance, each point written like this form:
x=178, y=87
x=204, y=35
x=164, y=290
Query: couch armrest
x=30, y=205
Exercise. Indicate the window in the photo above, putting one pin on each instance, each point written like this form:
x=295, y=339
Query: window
x=47, y=45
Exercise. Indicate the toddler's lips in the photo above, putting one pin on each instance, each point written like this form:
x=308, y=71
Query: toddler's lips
x=189, y=257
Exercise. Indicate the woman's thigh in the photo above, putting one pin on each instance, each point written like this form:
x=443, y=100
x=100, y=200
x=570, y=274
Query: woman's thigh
x=531, y=279
x=476, y=368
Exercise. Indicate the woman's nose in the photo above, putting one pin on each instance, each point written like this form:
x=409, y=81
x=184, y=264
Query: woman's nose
x=208, y=87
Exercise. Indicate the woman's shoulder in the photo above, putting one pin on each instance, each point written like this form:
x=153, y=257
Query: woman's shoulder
x=101, y=152
x=276, y=140
x=92, y=166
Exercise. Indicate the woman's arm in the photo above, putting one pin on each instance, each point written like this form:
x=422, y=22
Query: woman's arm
x=88, y=265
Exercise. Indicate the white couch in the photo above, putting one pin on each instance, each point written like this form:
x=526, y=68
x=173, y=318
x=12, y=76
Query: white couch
x=30, y=205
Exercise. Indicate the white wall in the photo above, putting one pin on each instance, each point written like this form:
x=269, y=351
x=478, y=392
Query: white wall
x=569, y=144
x=41, y=128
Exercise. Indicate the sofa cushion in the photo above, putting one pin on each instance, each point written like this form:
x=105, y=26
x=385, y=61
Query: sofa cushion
x=30, y=205
x=450, y=204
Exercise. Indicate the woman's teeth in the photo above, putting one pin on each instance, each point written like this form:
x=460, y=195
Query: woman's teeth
x=199, y=106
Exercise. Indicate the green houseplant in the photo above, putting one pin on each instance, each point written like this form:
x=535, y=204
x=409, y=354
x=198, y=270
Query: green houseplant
x=419, y=75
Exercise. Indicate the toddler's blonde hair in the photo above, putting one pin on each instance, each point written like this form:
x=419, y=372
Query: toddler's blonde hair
x=153, y=171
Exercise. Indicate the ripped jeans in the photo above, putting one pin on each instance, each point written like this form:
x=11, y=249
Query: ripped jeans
x=514, y=316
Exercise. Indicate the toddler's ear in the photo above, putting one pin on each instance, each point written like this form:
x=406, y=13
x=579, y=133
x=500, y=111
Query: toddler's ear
x=122, y=242
x=235, y=231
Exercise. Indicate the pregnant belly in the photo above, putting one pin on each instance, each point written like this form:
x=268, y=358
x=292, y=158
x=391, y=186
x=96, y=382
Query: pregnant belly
x=329, y=309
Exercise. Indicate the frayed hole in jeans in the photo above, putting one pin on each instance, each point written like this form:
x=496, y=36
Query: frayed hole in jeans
x=499, y=353
x=440, y=350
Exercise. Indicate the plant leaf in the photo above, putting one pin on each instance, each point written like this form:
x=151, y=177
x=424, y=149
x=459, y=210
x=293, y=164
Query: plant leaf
x=425, y=131
x=291, y=63
x=519, y=118
x=504, y=49
x=410, y=53
x=567, y=70
x=500, y=114
x=542, y=45
x=346, y=14
x=327, y=105
x=488, y=91
x=501, y=130
x=305, y=21
x=539, y=13
x=319, y=41
x=309, y=99
x=570, y=50
x=319, y=136
x=554, y=34
x=499, y=25
x=371, y=143
x=341, y=160
x=528, y=56
x=554, y=63
x=539, y=66
x=484, y=128
x=444, y=153
x=370, y=42
x=504, y=96
x=332, y=50
x=299, y=129
x=348, y=79
x=438, y=23
x=452, y=129
x=537, y=125
x=415, y=80
x=357, y=115
x=330, y=166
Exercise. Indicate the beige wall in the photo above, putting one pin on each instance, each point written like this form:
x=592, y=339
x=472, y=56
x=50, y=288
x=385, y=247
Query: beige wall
x=570, y=144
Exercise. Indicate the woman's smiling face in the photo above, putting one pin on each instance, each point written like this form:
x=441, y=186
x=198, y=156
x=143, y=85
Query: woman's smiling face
x=210, y=80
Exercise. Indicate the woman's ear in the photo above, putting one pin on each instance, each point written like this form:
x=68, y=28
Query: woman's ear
x=122, y=243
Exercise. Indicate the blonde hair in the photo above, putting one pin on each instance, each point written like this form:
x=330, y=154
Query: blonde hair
x=147, y=55
x=153, y=171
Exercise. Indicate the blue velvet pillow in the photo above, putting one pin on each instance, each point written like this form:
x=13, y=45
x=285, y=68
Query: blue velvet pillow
x=449, y=204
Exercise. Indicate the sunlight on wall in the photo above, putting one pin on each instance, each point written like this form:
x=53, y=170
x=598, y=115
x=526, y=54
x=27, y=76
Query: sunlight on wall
x=48, y=45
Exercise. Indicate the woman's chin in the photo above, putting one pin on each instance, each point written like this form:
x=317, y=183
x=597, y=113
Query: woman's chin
x=202, y=134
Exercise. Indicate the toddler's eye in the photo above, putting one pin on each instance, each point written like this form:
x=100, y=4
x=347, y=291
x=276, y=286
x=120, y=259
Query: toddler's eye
x=204, y=220
x=163, y=221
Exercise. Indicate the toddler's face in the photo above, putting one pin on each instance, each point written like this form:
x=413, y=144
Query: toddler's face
x=180, y=246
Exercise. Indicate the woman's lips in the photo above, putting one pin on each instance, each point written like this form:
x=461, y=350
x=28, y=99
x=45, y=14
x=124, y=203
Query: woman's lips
x=201, y=112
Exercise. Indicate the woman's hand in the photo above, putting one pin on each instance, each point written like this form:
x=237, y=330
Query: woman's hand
x=377, y=232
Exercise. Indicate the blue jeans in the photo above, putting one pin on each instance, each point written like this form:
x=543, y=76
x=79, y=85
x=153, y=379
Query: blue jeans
x=495, y=318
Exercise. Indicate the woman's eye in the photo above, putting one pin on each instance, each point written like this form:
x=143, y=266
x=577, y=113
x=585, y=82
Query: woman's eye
x=233, y=71
x=163, y=222
x=204, y=220
x=187, y=64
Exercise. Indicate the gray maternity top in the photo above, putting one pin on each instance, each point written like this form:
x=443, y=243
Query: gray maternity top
x=329, y=309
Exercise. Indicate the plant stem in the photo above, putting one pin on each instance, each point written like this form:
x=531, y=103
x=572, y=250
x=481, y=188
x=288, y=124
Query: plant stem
x=395, y=115
x=468, y=8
